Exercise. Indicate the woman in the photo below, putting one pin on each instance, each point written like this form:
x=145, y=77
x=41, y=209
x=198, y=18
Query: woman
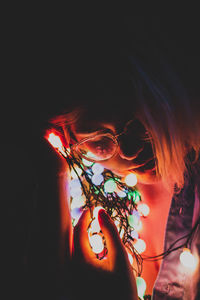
x=133, y=95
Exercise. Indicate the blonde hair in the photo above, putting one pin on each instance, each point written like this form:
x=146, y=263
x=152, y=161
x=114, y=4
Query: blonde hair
x=163, y=106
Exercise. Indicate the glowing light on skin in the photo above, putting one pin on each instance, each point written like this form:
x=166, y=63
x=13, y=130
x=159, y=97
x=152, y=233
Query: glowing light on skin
x=143, y=209
x=188, y=260
x=141, y=286
x=140, y=246
x=138, y=226
x=110, y=186
x=96, y=243
x=130, y=180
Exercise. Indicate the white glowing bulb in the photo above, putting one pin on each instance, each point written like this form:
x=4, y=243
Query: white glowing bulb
x=96, y=243
x=143, y=209
x=134, y=218
x=187, y=259
x=87, y=163
x=138, y=226
x=95, y=227
x=75, y=188
x=130, y=179
x=55, y=140
x=77, y=202
x=121, y=194
x=130, y=257
x=134, y=234
x=141, y=286
x=97, y=168
x=96, y=211
x=75, y=173
x=74, y=184
x=97, y=179
x=140, y=246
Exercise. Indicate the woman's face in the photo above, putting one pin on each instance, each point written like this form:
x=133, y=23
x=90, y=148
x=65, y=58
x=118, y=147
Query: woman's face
x=134, y=153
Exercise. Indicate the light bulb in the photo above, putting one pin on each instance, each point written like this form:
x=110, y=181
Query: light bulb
x=75, y=214
x=55, y=140
x=74, y=184
x=130, y=257
x=75, y=173
x=141, y=286
x=130, y=179
x=134, y=218
x=94, y=226
x=121, y=194
x=87, y=163
x=134, y=234
x=143, y=209
x=96, y=243
x=97, y=179
x=187, y=259
x=77, y=201
x=97, y=168
x=110, y=186
x=140, y=246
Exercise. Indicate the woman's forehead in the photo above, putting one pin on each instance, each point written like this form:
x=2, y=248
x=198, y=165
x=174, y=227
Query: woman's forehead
x=95, y=119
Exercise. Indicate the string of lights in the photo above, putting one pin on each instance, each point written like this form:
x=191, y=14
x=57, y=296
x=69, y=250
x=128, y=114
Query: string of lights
x=94, y=187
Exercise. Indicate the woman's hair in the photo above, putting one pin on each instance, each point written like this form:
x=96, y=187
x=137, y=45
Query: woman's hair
x=139, y=78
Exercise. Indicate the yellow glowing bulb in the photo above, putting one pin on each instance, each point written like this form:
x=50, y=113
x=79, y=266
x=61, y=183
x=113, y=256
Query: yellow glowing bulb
x=96, y=243
x=140, y=246
x=130, y=179
x=187, y=259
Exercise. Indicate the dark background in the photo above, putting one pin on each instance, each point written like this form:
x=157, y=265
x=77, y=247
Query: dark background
x=42, y=57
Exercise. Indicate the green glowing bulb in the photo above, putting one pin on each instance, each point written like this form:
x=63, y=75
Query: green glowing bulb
x=110, y=186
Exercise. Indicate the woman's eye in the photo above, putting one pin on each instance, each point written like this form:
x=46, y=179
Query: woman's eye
x=102, y=146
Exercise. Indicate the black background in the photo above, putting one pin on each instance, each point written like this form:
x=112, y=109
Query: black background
x=40, y=52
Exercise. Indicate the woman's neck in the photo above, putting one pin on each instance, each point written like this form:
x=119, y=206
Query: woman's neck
x=158, y=198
